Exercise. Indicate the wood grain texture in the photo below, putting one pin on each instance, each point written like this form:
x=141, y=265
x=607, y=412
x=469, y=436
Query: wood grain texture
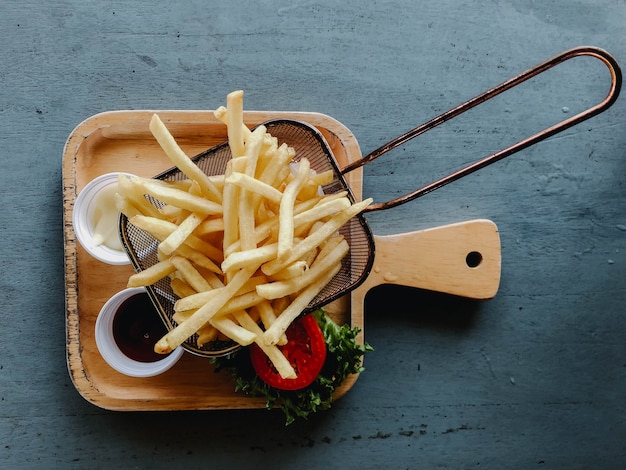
x=534, y=377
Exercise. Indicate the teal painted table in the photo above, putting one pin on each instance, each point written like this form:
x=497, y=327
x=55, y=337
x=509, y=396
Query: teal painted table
x=535, y=377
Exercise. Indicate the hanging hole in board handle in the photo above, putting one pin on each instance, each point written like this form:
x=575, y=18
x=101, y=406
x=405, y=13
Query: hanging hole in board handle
x=611, y=97
x=473, y=259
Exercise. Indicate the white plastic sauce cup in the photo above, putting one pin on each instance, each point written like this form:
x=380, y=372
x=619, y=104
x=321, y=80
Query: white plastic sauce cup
x=112, y=353
x=82, y=220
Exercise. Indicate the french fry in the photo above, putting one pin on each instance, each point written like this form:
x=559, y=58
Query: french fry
x=236, y=332
x=161, y=229
x=264, y=230
x=181, y=288
x=198, y=299
x=221, y=113
x=292, y=271
x=323, y=262
x=133, y=193
x=322, y=179
x=247, y=221
x=273, y=334
x=253, y=145
x=260, y=255
x=316, y=239
x=181, y=316
x=280, y=362
x=151, y=275
x=241, y=302
x=234, y=119
x=198, y=258
x=178, y=236
x=210, y=226
x=257, y=186
x=178, y=335
x=268, y=317
x=190, y=274
x=206, y=334
x=214, y=280
x=181, y=160
x=280, y=160
x=285, y=216
x=194, y=301
x=178, y=197
x=248, y=201
x=125, y=206
x=230, y=205
x=312, y=187
x=319, y=212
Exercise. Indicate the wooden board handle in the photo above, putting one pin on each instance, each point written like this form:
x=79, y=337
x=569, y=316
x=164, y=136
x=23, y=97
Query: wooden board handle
x=461, y=259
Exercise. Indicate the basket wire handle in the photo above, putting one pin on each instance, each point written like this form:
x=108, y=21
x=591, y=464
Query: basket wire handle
x=616, y=83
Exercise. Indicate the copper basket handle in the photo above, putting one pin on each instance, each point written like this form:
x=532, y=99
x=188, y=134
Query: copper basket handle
x=616, y=83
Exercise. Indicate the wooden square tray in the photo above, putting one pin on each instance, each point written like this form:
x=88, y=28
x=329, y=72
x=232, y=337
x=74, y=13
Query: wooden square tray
x=121, y=141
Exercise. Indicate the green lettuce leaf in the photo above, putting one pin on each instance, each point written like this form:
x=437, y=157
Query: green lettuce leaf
x=344, y=358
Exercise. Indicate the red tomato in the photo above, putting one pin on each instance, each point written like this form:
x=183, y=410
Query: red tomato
x=305, y=350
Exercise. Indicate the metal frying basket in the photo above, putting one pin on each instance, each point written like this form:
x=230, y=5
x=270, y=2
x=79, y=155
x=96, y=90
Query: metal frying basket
x=309, y=143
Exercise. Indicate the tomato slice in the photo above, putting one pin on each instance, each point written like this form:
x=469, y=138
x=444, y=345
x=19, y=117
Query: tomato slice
x=305, y=350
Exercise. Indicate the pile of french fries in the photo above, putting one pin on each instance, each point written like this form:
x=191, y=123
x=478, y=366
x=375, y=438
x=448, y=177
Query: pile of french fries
x=246, y=251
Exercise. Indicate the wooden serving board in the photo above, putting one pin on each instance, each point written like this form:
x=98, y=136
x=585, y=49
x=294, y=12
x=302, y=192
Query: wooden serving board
x=121, y=141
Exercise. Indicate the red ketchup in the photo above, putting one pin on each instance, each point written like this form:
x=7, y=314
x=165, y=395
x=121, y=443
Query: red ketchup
x=137, y=327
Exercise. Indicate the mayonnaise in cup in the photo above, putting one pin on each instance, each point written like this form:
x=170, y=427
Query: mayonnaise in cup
x=96, y=220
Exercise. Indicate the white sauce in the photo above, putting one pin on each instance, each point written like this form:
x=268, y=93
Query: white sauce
x=104, y=221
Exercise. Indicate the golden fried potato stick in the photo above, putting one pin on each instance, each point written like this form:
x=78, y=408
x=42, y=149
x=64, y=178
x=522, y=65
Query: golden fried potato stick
x=181, y=233
x=264, y=230
x=190, y=274
x=292, y=271
x=206, y=334
x=315, y=239
x=181, y=288
x=241, y=302
x=273, y=334
x=324, y=261
x=268, y=317
x=210, y=225
x=134, y=194
x=285, y=216
x=161, y=229
x=151, y=275
x=239, y=259
x=221, y=113
x=234, y=119
x=197, y=300
x=214, y=279
x=181, y=160
x=180, y=333
x=177, y=197
x=247, y=200
x=312, y=187
x=271, y=173
x=250, y=183
x=230, y=203
x=125, y=206
x=197, y=258
x=215, y=233
x=304, y=220
x=278, y=359
x=227, y=326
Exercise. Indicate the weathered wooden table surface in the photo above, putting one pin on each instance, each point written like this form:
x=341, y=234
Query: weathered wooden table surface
x=535, y=377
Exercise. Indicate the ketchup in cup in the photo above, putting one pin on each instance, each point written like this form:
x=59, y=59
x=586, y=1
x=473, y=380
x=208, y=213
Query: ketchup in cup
x=127, y=328
x=137, y=327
